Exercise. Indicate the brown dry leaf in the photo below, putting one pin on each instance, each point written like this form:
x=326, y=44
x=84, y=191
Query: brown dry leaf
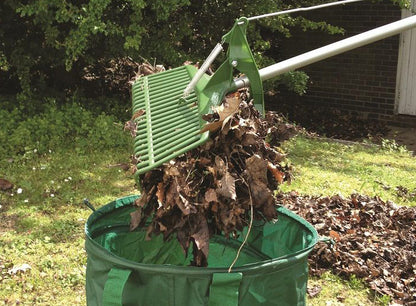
x=257, y=168
x=172, y=171
x=214, y=207
x=147, y=69
x=225, y=112
x=220, y=166
x=211, y=127
x=5, y=184
x=160, y=193
x=227, y=186
x=171, y=194
x=379, y=247
x=136, y=219
x=211, y=195
x=162, y=227
x=184, y=205
x=314, y=291
x=263, y=200
x=204, y=161
x=250, y=139
x=131, y=125
x=201, y=236
x=144, y=198
x=278, y=175
x=138, y=114
x=149, y=232
x=183, y=238
x=334, y=235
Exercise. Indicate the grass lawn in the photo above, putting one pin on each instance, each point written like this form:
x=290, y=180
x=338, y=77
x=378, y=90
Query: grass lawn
x=324, y=167
x=42, y=220
x=43, y=226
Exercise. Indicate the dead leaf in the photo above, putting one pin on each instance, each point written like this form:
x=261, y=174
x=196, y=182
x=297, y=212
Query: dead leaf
x=225, y=111
x=211, y=127
x=334, y=235
x=314, y=291
x=227, y=186
x=220, y=165
x=171, y=194
x=276, y=173
x=379, y=247
x=131, y=127
x=138, y=114
x=172, y=170
x=204, y=161
x=5, y=184
x=211, y=195
x=184, y=205
x=144, y=198
x=251, y=139
x=183, y=239
x=136, y=219
x=162, y=227
x=160, y=193
x=201, y=236
x=257, y=168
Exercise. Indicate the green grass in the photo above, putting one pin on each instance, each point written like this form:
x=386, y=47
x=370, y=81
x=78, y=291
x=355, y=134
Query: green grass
x=339, y=292
x=43, y=226
x=327, y=168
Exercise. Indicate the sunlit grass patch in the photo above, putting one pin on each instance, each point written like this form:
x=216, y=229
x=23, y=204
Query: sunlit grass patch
x=336, y=291
x=327, y=168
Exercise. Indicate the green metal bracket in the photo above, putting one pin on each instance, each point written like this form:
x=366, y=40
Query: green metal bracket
x=239, y=57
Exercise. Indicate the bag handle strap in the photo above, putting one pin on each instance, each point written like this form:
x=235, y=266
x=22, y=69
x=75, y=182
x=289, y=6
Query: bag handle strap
x=224, y=289
x=114, y=286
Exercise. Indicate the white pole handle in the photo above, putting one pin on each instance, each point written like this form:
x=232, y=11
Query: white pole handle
x=330, y=50
x=303, y=9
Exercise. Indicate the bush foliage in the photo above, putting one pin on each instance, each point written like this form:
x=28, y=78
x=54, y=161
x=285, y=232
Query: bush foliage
x=49, y=44
x=67, y=127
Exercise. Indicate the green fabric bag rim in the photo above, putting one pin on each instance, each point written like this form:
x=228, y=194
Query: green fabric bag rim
x=96, y=249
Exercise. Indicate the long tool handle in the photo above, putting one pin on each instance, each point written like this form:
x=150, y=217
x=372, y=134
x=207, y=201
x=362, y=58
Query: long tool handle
x=330, y=50
x=302, y=9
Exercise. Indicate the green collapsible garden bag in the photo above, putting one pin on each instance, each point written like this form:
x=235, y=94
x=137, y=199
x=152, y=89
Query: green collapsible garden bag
x=125, y=269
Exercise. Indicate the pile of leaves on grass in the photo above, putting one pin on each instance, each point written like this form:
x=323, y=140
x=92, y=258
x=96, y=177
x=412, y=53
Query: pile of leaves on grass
x=374, y=240
x=221, y=186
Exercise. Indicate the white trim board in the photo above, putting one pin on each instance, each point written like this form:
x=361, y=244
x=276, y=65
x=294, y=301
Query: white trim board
x=406, y=70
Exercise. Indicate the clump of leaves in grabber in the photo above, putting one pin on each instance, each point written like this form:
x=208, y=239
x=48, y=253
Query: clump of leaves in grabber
x=214, y=188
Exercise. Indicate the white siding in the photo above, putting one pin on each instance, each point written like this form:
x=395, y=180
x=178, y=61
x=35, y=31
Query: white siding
x=406, y=71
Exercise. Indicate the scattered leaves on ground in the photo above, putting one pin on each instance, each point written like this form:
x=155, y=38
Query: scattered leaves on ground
x=5, y=184
x=374, y=240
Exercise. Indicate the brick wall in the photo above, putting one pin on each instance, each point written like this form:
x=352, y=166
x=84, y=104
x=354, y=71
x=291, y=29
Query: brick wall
x=361, y=81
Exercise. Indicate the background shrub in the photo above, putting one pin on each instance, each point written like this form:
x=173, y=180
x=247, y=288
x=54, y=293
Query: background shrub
x=66, y=127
